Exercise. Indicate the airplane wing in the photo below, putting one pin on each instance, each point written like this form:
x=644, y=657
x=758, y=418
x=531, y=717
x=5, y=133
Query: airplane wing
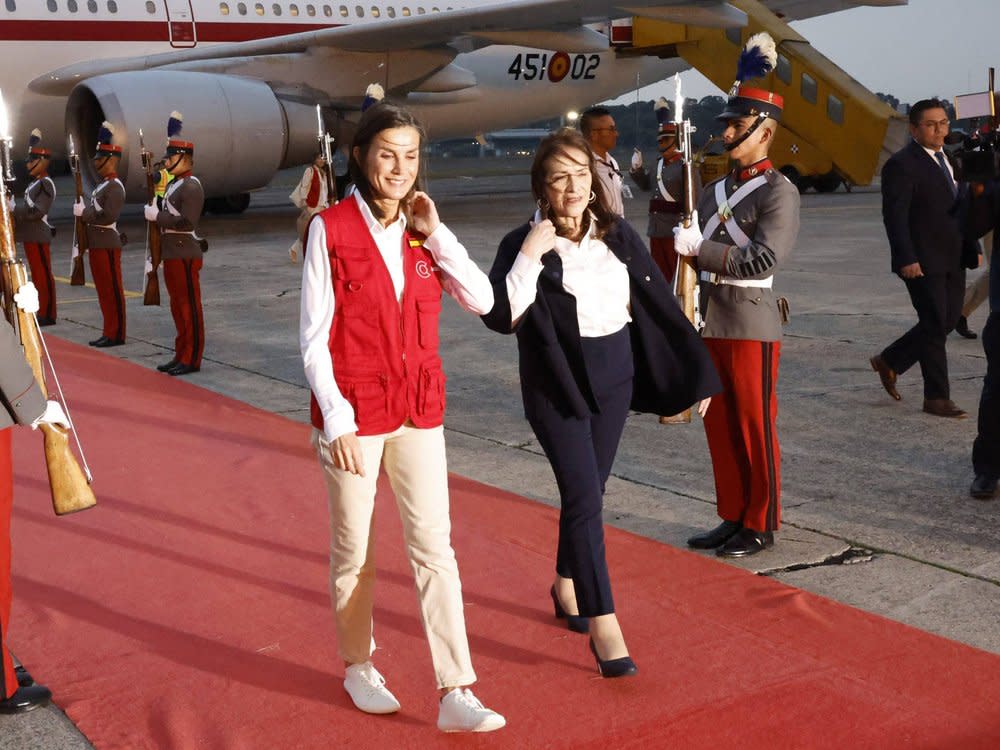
x=548, y=24
x=797, y=10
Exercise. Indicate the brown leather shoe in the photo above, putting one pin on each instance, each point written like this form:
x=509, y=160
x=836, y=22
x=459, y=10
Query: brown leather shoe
x=943, y=407
x=887, y=375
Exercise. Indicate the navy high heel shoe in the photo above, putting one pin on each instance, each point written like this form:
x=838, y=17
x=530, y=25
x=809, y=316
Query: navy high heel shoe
x=574, y=622
x=622, y=667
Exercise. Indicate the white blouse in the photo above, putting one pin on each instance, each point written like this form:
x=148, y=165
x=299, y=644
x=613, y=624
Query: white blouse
x=590, y=272
x=463, y=280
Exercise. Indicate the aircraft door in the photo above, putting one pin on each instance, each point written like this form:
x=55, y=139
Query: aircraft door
x=180, y=22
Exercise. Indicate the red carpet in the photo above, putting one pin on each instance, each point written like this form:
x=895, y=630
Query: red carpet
x=190, y=610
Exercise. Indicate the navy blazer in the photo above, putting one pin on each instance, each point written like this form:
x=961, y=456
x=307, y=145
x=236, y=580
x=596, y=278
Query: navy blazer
x=673, y=369
x=921, y=215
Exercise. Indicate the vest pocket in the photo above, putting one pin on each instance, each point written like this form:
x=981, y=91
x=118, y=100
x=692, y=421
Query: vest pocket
x=357, y=330
x=428, y=311
x=370, y=400
x=431, y=391
x=353, y=263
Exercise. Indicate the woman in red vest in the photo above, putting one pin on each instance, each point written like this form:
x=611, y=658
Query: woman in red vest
x=375, y=266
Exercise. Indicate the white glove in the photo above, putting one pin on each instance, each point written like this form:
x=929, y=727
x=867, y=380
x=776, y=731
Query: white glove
x=27, y=298
x=636, y=160
x=78, y=208
x=151, y=212
x=53, y=414
x=687, y=240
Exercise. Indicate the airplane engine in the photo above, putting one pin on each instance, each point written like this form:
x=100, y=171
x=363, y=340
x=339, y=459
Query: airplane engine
x=242, y=133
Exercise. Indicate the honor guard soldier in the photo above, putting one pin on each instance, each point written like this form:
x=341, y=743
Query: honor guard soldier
x=748, y=223
x=181, y=250
x=667, y=202
x=101, y=218
x=32, y=228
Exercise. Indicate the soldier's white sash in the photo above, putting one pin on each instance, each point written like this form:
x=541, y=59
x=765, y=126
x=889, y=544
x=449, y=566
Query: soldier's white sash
x=724, y=212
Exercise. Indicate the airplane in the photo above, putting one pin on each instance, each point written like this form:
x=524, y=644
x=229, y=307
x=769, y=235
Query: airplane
x=248, y=75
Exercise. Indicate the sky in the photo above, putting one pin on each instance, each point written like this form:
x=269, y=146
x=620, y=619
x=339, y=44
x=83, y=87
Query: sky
x=926, y=48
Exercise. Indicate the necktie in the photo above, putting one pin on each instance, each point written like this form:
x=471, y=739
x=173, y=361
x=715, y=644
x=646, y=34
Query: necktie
x=939, y=155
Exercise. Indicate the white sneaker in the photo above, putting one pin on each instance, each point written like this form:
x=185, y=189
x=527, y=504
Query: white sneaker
x=461, y=711
x=368, y=691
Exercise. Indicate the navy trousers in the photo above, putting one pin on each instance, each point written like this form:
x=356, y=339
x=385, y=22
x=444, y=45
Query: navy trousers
x=581, y=452
x=986, y=449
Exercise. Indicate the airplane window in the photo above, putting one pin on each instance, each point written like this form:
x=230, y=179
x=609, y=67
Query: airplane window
x=258, y=8
x=52, y=6
x=435, y=10
x=92, y=6
x=375, y=11
x=11, y=5
x=112, y=6
x=406, y=11
x=808, y=88
x=71, y=6
x=327, y=11
x=391, y=11
x=311, y=10
x=241, y=8
x=276, y=9
x=224, y=9
x=359, y=11
x=344, y=11
x=420, y=11
x=293, y=9
x=835, y=109
x=783, y=69
x=150, y=6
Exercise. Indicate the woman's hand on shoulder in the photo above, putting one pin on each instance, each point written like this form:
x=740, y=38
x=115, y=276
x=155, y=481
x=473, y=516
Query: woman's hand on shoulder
x=423, y=213
x=539, y=240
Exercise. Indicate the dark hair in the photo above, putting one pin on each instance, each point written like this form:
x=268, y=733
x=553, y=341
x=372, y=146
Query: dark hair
x=379, y=117
x=559, y=143
x=588, y=117
x=918, y=109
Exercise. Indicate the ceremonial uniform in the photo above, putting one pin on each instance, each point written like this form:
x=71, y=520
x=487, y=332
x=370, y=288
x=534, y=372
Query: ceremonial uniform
x=181, y=250
x=101, y=218
x=23, y=403
x=32, y=228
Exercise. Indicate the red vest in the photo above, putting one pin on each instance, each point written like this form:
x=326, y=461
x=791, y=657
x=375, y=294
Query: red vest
x=385, y=352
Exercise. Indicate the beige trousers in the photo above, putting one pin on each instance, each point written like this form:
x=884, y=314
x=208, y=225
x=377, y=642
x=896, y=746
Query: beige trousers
x=414, y=461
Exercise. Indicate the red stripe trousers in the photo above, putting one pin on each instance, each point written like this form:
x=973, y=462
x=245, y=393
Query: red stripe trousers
x=40, y=263
x=182, y=277
x=740, y=427
x=9, y=682
x=664, y=255
x=106, y=268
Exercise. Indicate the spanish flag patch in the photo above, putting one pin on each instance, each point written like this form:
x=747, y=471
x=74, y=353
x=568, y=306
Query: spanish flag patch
x=414, y=242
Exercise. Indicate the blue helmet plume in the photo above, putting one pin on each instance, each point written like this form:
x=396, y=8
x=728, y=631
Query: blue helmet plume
x=373, y=95
x=757, y=59
x=105, y=133
x=175, y=124
x=35, y=139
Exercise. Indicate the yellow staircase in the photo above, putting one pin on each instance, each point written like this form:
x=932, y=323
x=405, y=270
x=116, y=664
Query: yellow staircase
x=834, y=129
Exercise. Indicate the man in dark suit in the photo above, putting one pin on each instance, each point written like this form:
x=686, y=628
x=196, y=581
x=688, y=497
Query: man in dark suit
x=919, y=196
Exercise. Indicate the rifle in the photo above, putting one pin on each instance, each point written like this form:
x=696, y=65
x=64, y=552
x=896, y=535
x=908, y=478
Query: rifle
x=80, y=244
x=686, y=278
x=325, y=147
x=151, y=291
x=69, y=485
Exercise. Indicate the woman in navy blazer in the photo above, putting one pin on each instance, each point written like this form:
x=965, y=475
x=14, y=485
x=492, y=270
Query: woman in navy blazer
x=599, y=332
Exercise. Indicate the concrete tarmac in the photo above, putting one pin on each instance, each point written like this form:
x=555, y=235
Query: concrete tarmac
x=875, y=492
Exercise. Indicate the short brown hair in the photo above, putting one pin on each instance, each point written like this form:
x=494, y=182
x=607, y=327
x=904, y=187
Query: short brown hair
x=560, y=143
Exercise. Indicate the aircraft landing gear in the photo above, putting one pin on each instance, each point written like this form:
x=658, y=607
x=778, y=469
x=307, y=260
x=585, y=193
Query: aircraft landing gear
x=228, y=204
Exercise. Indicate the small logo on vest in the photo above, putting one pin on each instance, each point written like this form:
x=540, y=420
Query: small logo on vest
x=423, y=269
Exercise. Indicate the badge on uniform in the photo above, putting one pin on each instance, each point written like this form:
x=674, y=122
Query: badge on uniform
x=725, y=212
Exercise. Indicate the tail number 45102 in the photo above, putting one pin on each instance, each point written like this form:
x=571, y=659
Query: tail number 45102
x=535, y=66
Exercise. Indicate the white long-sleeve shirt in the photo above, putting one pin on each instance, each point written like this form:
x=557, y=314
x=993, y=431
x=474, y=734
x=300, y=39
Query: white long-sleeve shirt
x=590, y=272
x=463, y=280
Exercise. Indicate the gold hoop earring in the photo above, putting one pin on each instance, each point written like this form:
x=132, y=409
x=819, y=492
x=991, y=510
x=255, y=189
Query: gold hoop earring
x=543, y=205
x=593, y=196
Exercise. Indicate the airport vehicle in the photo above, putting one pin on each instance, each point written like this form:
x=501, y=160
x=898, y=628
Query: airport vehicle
x=247, y=75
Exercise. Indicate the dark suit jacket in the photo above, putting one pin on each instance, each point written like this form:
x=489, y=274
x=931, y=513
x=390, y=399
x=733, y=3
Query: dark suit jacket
x=920, y=215
x=673, y=369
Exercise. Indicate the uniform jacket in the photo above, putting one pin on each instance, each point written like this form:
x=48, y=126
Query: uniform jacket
x=920, y=214
x=664, y=212
x=30, y=223
x=673, y=369
x=106, y=205
x=22, y=398
x=770, y=218
x=179, y=217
